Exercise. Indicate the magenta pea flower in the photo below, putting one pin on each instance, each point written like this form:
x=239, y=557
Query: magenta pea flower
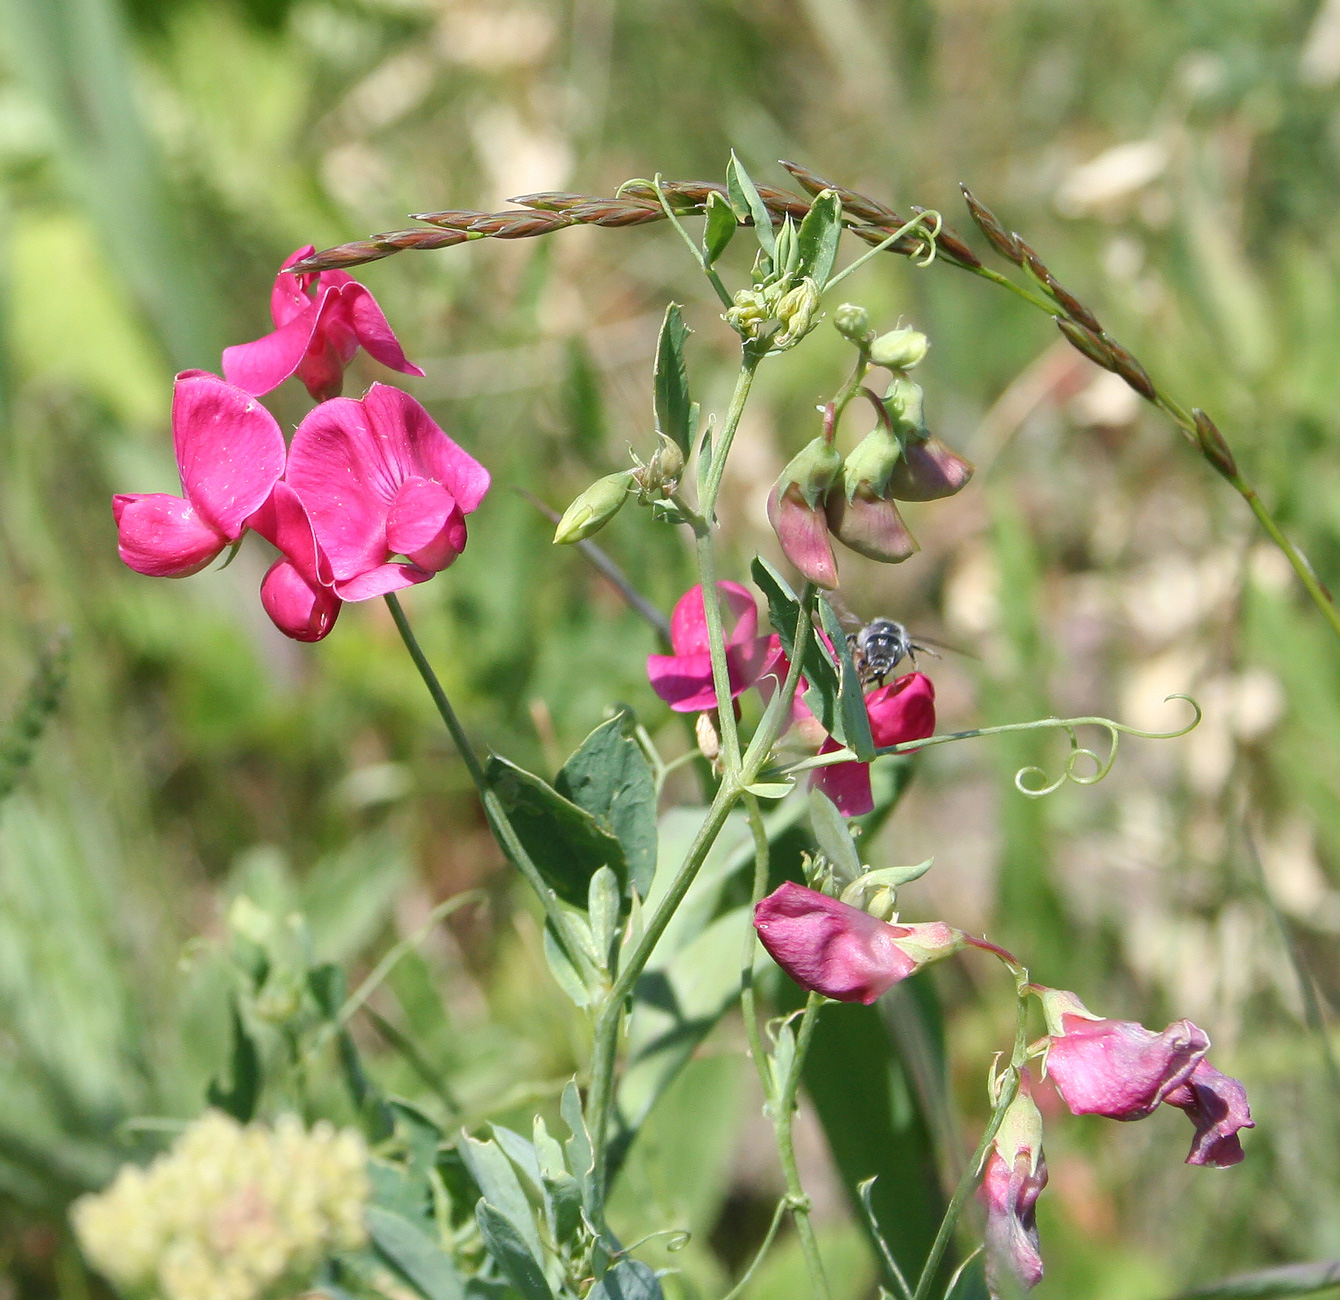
x=840, y=951
x=901, y=711
x=1115, y=1068
x=1013, y=1177
x=230, y=453
x=1217, y=1105
x=321, y=320
x=379, y=479
x=684, y=679
x=297, y=590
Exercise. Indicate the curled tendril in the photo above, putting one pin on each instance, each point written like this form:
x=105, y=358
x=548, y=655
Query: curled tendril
x=932, y=236
x=678, y=1239
x=1078, y=753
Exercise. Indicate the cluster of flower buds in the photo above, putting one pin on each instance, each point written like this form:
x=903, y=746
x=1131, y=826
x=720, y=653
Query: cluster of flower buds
x=1114, y=1068
x=773, y=314
x=370, y=496
x=822, y=495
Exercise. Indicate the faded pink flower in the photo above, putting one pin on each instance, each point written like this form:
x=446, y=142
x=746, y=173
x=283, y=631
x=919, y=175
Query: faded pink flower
x=296, y=590
x=230, y=453
x=379, y=479
x=1115, y=1068
x=840, y=951
x=1217, y=1105
x=901, y=711
x=684, y=679
x=802, y=529
x=1012, y=1180
x=321, y=320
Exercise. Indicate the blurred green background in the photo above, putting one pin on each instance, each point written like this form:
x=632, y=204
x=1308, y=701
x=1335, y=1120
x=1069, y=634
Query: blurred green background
x=1177, y=163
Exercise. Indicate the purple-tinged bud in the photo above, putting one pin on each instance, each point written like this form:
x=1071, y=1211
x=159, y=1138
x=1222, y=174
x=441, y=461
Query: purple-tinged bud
x=1012, y=1180
x=860, y=509
x=928, y=469
x=900, y=349
x=591, y=511
x=796, y=511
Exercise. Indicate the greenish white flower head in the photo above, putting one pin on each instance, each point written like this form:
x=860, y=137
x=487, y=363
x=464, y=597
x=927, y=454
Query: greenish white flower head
x=231, y=1212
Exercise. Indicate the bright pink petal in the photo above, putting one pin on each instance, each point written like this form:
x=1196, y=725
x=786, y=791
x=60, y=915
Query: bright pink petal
x=378, y=581
x=163, y=536
x=411, y=441
x=1118, y=1068
x=829, y=946
x=684, y=682
x=264, y=364
x=373, y=330
x=426, y=525
x=290, y=294
x=283, y=522
x=901, y=711
x=300, y=609
x=1010, y=1193
x=846, y=784
x=337, y=466
x=330, y=349
x=688, y=621
x=229, y=450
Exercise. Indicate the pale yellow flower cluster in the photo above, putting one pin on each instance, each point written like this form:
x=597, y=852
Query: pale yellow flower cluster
x=232, y=1212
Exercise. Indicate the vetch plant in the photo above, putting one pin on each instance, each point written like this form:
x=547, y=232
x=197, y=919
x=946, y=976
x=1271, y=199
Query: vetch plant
x=371, y=497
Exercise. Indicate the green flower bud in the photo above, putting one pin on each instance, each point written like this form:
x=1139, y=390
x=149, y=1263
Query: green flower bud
x=796, y=312
x=591, y=511
x=852, y=322
x=899, y=349
x=813, y=470
x=660, y=476
x=871, y=464
x=905, y=403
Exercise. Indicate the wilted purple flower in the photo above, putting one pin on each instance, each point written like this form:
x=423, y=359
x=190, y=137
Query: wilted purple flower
x=1217, y=1106
x=1012, y=1180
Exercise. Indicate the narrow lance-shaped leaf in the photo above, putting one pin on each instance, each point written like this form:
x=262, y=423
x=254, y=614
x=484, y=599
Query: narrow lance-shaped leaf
x=413, y=1254
x=1286, y=1280
x=238, y=1098
x=747, y=204
x=819, y=234
x=505, y=1243
x=833, y=837
x=719, y=228
x=672, y=380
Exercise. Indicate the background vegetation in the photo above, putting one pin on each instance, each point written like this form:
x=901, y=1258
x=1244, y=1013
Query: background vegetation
x=1177, y=164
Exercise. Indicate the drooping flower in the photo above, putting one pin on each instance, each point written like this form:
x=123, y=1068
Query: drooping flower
x=901, y=711
x=859, y=506
x=297, y=590
x=1217, y=1105
x=321, y=320
x=379, y=479
x=1115, y=1068
x=796, y=511
x=230, y=453
x=840, y=951
x=684, y=679
x=1012, y=1180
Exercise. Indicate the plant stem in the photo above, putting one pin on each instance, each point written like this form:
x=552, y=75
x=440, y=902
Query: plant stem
x=747, y=1001
x=496, y=814
x=782, y=1121
x=707, y=501
x=716, y=644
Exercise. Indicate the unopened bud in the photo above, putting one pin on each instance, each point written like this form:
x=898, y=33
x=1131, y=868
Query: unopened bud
x=813, y=469
x=796, y=312
x=905, y=403
x=1213, y=446
x=852, y=322
x=883, y=904
x=928, y=469
x=899, y=349
x=860, y=511
x=705, y=730
x=660, y=476
x=591, y=511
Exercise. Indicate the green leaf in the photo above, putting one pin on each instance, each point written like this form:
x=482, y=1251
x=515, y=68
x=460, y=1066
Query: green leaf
x=747, y=205
x=719, y=228
x=672, y=380
x=413, y=1254
x=855, y=733
x=500, y=1186
x=566, y=843
x=1287, y=1280
x=818, y=238
x=238, y=1098
x=610, y=778
x=565, y=1193
x=578, y=1147
x=771, y=789
x=629, y=1279
x=568, y=977
x=833, y=837
x=604, y=908
x=373, y=1112
x=508, y=1247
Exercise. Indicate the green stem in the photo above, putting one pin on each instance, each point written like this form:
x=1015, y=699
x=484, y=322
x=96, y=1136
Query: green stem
x=747, y=1000
x=496, y=814
x=698, y=255
x=920, y=220
x=783, y=1120
x=716, y=644
x=749, y=364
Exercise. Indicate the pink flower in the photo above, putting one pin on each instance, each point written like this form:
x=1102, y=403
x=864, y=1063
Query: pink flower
x=1217, y=1106
x=379, y=479
x=840, y=951
x=901, y=711
x=802, y=530
x=320, y=322
x=684, y=679
x=230, y=453
x=1115, y=1068
x=296, y=591
x=1012, y=1180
